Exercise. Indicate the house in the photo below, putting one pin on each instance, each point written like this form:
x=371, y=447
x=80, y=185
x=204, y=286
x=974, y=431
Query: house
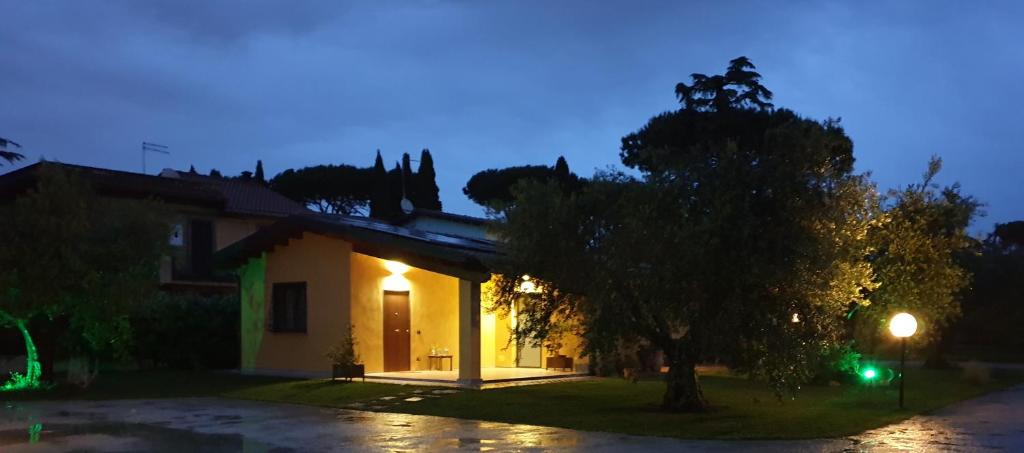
x=410, y=295
x=210, y=213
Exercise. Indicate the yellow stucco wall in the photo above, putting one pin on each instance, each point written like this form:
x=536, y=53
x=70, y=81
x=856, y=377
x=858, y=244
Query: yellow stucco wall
x=344, y=287
x=433, y=312
x=323, y=264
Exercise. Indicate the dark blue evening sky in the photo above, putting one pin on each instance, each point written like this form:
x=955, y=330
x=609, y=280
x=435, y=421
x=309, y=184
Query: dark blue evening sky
x=487, y=85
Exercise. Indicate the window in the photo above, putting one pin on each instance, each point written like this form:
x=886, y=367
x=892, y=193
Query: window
x=177, y=235
x=289, y=307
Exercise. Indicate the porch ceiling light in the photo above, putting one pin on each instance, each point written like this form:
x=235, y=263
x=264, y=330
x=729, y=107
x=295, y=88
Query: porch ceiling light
x=527, y=285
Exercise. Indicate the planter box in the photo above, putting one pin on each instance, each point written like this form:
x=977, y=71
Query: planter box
x=348, y=372
x=559, y=362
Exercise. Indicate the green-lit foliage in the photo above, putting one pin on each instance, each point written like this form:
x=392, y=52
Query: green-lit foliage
x=34, y=430
x=70, y=255
x=33, y=371
x=252, y=278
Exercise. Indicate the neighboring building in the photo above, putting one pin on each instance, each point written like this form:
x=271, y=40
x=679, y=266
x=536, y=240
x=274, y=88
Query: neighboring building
x=407, y=293
x=447, y=223
x=209, y=214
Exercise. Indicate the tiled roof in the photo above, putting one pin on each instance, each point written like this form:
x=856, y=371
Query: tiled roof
x=438, y=252
x=119, y=183
x=229, y=195
x=247, y=197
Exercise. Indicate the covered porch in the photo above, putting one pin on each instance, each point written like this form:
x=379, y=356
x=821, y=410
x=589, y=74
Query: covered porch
x=490, y=377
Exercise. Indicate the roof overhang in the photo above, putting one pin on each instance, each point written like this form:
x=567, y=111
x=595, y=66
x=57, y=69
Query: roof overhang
x=469, y=263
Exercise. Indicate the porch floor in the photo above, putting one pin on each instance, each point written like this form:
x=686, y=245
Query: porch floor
x=492, y=377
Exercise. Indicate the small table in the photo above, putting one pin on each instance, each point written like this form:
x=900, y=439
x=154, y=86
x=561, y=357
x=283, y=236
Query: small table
x=440, y=361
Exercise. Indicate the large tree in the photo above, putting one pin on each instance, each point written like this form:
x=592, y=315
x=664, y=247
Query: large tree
x=744, y=219
x=917, y=242
x=381, y=206
x=427, y=195
x=74, y=259
x=493, y=188
x=993, y=304
x=336, y=189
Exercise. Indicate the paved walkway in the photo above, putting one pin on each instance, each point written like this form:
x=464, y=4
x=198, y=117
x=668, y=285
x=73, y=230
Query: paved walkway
x=209, y=424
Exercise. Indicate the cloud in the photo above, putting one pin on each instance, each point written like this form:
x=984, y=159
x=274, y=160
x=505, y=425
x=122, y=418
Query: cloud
x=487, y=85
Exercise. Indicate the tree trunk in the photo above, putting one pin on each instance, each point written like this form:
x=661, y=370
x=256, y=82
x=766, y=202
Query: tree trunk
x=32, y=370
x=683, y=392
x=936, y=352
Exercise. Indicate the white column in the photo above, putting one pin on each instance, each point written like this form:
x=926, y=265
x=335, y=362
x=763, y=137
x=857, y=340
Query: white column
x=469, y=334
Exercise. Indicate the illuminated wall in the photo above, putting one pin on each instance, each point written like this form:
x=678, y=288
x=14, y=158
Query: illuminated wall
x=433, y=312
x=323, y=264
x=252, y=277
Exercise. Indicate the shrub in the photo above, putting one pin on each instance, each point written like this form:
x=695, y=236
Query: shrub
x=344, y=351
x=839, y=364
x=188, y=331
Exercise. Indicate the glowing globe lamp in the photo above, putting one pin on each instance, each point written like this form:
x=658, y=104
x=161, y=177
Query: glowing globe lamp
x=903, y=325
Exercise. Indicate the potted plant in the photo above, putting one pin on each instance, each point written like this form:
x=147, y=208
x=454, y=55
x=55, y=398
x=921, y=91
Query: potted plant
x=344, y=360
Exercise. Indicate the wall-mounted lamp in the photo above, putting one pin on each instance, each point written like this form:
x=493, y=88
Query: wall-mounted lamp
x=395, y=281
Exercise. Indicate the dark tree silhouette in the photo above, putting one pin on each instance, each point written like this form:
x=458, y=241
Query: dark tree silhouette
x=192, y=170
x=336, y=189
x=259, y=173
x=9, y=156
x=1010, y=235
x=380, y=197
x=408, y=189
x=427, y=194
x=215, y=173
x=739, y=87
x=494, y=188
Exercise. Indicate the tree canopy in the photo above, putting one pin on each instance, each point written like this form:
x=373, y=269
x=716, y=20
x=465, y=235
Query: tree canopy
x=336, y=189
x=915, y=247
x=494, y=188
x=71, y=256
x=744, y=219
x=373, y=191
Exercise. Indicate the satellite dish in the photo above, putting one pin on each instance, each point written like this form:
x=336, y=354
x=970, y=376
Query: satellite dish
x=407, y=206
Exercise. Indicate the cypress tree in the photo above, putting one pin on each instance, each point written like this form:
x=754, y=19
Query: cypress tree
x=427, y=194
x=561, y=170
x=259, y=172
x=407, y=188
x=395, y=188
x=381, y=194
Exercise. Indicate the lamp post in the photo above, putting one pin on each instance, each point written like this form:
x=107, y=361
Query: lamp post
x=902, y=325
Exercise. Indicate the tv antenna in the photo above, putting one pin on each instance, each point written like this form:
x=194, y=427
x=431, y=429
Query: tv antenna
x=151, y=147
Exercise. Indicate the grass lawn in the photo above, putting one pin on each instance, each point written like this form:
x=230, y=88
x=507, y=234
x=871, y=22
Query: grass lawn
x=147, y=384
x=182, y=384
x=742, y=408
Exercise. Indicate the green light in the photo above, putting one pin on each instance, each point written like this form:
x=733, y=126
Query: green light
x=870, y=374
x=33, y=371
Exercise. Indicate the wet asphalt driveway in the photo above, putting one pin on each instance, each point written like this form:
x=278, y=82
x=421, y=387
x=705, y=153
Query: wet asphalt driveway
x=994, y=422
